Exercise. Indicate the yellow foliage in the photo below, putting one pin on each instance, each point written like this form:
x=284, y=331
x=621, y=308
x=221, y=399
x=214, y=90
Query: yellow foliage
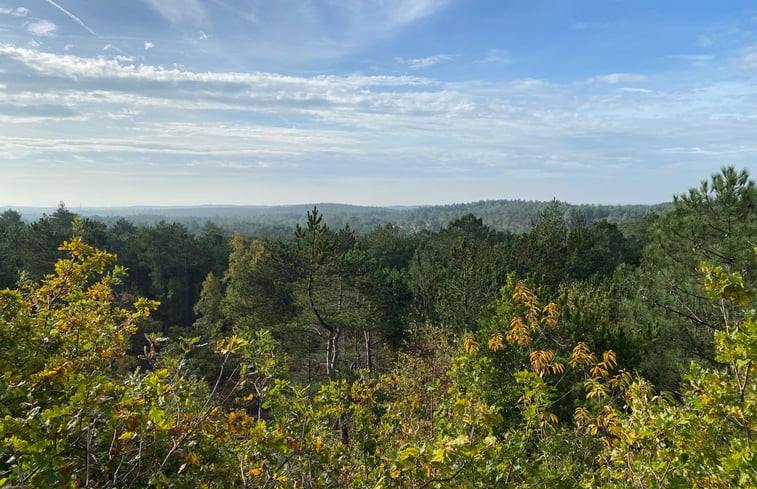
x=582, y=355
x=496, y=342
x=549, y=315
x=518, y=333
x=470, y=344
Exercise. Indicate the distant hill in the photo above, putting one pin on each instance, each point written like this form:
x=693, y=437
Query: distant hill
x=505, y=215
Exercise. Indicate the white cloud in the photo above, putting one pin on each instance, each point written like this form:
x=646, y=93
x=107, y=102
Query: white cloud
x=202, y=36
x=123, y=114
x=103, y=68
x=149, y=45
x=414, y=128
x=43, y=28
x=427, y=62
x=16, y=12
x=634, y=90
x=122, y=57
x=614, y=78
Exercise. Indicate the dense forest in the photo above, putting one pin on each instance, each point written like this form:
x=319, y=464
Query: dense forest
x=480, y=345
x=280, y=221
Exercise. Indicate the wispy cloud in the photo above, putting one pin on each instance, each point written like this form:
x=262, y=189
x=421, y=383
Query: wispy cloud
x=695, y=60
x=75, y=67
x=495, y=56
x=43, y=28
x=748, y=58
x=615, y=78
x=634, y=90
x=245, y=13
x=72, y=16
x=295, y=30
x=16, y=12
x=427, y=62
x=176, y=11
x=406, y=11
x=704, y=42
x=399, y=130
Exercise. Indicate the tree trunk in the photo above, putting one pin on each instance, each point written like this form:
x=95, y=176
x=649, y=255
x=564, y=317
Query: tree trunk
x=368, y=352
x=332, y=350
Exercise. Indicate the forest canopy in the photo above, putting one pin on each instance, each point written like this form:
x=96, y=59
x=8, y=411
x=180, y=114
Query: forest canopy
x=578, y=351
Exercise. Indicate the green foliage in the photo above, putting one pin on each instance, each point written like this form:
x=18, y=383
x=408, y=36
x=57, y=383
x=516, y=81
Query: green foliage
x=457, y=271
x=257, y=291
x=544, y=250
x=708, y=435
x=12, y=231
x=508, y=390
x=716, y=223
x=277, y=222
x=60, y=340
x=210, y=323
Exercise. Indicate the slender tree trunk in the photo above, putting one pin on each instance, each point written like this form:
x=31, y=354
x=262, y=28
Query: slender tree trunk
x=332, y=350
x=358, y=356
x=368, y=352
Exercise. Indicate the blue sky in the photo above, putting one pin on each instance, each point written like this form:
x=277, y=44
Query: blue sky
x=180, y=102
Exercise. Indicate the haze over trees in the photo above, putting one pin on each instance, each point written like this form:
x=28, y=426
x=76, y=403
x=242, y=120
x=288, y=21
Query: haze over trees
x=578, y=350
x=280, y=221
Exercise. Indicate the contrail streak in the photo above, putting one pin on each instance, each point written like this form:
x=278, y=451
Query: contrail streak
x=72, y=16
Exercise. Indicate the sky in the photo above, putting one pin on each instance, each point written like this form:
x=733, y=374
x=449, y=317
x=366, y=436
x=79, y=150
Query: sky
x=372, y=102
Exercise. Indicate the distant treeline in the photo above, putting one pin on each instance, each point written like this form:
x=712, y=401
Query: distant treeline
x=516, y=216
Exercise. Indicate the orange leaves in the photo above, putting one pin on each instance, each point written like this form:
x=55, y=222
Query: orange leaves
x=606, y=422
x=582, y=355
x=549, y=315
x=526, y=326
x=547, y=420
x=542, y=362
x=532, y=319
x=602, y=369
x=523, y=297
x=496, y=342
x=470, y=344
x=519, y=332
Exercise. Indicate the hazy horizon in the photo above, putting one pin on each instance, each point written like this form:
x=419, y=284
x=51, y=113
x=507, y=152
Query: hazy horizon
x=378, y=103
x=301, y=204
